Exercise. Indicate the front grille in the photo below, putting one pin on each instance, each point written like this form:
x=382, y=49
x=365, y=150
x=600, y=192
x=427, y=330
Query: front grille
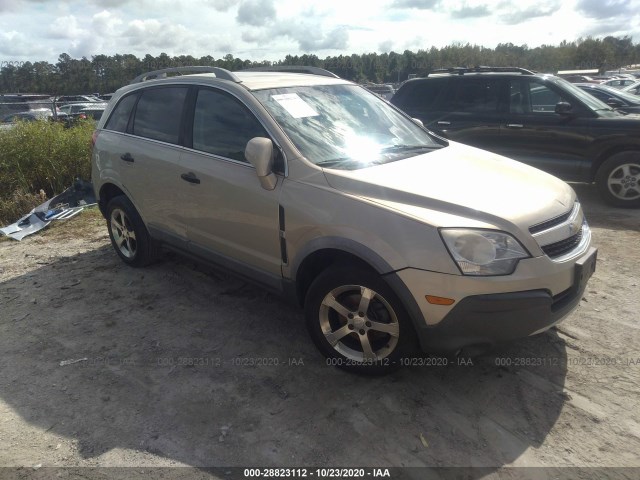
x=557, y=249
x=541, y=227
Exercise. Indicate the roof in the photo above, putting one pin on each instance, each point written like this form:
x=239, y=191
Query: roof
x=261, y=80
x=250, y=80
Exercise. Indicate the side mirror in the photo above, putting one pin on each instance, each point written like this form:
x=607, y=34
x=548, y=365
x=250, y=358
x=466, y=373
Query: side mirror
x=259, y=151
x=418, y=121
x=563, y=108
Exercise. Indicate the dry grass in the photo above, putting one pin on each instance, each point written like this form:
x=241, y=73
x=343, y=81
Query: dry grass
x=40, y=158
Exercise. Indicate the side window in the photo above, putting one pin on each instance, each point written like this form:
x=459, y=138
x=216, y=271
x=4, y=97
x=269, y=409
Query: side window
x=159, y=113
x=119, y=118
x=223, y=126
x=600, y=95
x=476, y=95
x=542, y=99
x=422, y=95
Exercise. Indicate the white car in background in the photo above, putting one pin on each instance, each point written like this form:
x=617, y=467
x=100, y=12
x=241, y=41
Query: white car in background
x=633, y=88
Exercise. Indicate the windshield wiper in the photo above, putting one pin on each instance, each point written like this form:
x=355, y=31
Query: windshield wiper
x=379, y=161
x=335, y=161
x=403, y=147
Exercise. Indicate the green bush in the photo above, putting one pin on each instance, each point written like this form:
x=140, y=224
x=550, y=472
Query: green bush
x=40, y=156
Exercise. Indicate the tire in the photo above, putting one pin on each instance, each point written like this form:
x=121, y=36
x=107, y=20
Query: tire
x=618, y=180
x=129, y=236
x=342, y=326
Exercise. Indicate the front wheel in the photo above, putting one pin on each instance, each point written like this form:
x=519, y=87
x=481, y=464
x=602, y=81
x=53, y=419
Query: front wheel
x=618, y=180
x=357, y=322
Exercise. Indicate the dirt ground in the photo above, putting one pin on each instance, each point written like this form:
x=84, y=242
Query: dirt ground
x=177, y=365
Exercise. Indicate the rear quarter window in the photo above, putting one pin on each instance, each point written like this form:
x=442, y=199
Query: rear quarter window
x=119, y=118
x=422, y=95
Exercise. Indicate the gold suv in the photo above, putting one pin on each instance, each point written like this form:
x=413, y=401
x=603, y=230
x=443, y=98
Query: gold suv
x=390, y=237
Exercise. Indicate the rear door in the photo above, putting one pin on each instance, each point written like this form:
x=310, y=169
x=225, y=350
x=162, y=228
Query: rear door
x=144, y=133
x=469, y=111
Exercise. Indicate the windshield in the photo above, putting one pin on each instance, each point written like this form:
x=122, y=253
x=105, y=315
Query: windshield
x=344, y=126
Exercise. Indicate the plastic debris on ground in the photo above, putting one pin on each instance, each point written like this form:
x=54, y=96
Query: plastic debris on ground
x=64, y=363
x=61, y=207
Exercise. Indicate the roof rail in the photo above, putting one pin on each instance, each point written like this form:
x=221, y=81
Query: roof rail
x=480, y=69
x=220, y=73
x=293, y=69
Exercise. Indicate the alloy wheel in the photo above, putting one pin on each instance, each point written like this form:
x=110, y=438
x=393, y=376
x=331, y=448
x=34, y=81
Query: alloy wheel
x=123, y=233
x=359, y=323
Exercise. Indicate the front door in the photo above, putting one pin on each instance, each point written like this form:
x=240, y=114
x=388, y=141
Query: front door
x=533, y=133
x=230, y=218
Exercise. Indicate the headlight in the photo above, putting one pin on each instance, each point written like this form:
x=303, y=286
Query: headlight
x=483, y=252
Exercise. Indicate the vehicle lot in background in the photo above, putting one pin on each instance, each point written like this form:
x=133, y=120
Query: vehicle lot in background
x=93, y=113
x=9, y=121
x=186, y=366
x=383, y=90
x=619, y=82
x=24, y=102
x=65, y=99
x=617, y=99
x=74, y=108
x=538, y=119
x=633, y=88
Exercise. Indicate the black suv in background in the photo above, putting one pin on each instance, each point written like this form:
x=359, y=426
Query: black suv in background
x=538, y=119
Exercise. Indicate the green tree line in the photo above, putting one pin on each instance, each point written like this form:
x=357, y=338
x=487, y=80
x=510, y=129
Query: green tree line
x=107, y=73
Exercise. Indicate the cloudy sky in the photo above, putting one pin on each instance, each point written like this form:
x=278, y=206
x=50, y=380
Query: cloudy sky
x=270, y=29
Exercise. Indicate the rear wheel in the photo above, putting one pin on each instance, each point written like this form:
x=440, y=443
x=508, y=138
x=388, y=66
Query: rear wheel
x=618, y=180
x=128, y=234
x=357, y=322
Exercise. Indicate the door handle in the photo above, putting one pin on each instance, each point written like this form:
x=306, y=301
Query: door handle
x=127, y=157
x=515, y=125
x=190, y=177
x=444, y=123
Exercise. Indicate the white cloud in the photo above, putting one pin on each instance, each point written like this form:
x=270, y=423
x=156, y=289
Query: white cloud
x=66, y=28
x=270, y=29
x=105, y=24
x=256, y=12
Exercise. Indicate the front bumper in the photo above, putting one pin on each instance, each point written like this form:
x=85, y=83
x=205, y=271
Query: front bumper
x=500, y=316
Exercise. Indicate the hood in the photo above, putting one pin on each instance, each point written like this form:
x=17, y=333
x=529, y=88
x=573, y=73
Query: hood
x=461, y=181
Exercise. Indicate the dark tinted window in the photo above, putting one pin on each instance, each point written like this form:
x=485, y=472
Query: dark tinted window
x=599, y=94
x=475, y=95
x=159, y=113
x=542, y=99
x=223, y=126
x=120, y=116
x=531, y=96
x=423, y=95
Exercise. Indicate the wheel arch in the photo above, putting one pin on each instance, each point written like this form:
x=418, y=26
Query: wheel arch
x=326, y=252
x=608, y=153
x=107, y=192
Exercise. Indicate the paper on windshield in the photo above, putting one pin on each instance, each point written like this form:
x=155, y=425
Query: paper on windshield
x=294, y=105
